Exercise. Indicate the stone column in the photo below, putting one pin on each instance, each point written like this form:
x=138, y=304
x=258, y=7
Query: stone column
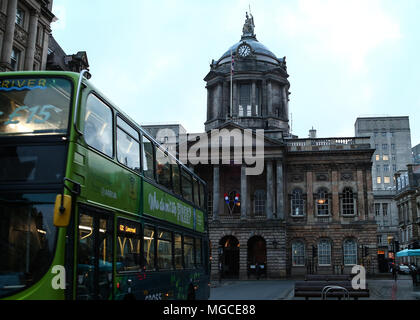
x=370, y=200
x=360, y=195
x=244, y=192
x=216, y=192
x=46, y=38
x=253, y=98
x=269, y=99
x=30, y=49
x=9, y=33
x=269, y=176
x=310, y=212
x=243, y=257
x=280, y=190
x=235, y=103
x=335, y=198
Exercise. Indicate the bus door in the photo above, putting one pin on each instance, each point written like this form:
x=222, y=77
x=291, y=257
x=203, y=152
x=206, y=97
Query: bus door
x=94, y=255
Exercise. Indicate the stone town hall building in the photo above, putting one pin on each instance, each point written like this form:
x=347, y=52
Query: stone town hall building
x=311, y=209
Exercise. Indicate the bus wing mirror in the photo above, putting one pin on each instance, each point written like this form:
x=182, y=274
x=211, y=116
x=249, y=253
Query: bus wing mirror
x=62, y=210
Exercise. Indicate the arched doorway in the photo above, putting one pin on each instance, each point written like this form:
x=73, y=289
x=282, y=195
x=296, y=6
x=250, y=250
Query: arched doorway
x=229, y=257
x=257, y=256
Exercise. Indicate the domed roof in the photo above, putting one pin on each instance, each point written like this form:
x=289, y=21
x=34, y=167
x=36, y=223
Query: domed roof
x=258, y=49
x=256, y=46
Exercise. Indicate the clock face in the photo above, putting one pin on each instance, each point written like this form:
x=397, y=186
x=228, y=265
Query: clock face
x=244, y=50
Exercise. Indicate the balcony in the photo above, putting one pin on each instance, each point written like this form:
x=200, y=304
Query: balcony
x=328, y=144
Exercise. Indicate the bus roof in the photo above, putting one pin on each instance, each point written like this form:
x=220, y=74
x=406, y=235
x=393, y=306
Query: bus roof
x=76, y=76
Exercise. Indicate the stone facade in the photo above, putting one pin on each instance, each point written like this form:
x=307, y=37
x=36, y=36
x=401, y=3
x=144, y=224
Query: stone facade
x=26, y=42
x=309, y=208
x=408, y=203
x=24, y=34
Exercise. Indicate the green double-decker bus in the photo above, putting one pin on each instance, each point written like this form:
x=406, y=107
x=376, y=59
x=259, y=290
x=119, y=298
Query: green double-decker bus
x=91, y=206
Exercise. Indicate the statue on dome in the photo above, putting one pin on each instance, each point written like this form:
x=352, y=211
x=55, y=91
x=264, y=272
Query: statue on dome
x=249, y=26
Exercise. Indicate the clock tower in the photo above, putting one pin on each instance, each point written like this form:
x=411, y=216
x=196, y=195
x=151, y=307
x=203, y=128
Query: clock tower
x=249, y=86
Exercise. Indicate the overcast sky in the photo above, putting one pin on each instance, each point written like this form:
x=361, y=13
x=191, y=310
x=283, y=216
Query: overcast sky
x=345, y=58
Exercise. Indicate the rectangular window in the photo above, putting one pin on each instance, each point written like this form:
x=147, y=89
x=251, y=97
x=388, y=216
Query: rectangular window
x=377, y=157
x=148, y=158
x=43, y=107
x=15, y=59
x=248, y=111
x=393, y=147
x=385, y=157
x=385, y=209
x=245, y=94
x=187, y=186
x=241, y=111
x=384, y=147
x=324, y=253
x=178, y=251
x=128, y=146
x=378, y=180
x=377, y=209
x=378, y=168
x=164, y=255
x=386, y=167
x=98, y=131
x=176, y=179
x=198, y=251
x=189, y=252
x=129, y=246
x=163, y=168
x=196, y=192
x=20, y=17
x=387, y=180
x=202, y=196
x=149, y=247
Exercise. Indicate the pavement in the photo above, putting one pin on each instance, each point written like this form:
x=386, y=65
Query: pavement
x=381, y=287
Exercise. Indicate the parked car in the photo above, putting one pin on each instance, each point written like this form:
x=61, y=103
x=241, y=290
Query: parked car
x=403, y=269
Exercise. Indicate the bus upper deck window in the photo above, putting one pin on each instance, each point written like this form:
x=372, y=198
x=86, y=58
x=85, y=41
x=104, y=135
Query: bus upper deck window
x=98, y=125
x=148, y=158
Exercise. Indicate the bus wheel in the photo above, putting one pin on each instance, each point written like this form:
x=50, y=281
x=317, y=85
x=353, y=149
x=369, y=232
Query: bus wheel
x=191, y=293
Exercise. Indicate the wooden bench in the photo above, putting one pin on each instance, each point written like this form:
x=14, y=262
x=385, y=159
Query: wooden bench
x=328, y=286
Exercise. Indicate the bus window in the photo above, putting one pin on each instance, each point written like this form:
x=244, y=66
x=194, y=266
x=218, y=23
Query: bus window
x=178, y=251
x=128, y=147
x=128, y=246
x=163, y=170
x=196, y=192
x=176, y=182
x=198, y=252
x=189, y=252
x=164, y=250
x=149, y=247
x=98, y=125
x=148, y=162
x=187, y=186
x=202, y=196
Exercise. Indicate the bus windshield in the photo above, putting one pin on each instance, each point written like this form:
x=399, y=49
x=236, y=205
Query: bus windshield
x=27, y=239
x=34, y=105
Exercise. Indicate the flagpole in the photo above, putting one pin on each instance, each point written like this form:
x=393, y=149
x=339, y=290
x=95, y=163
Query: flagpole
x=231, y=84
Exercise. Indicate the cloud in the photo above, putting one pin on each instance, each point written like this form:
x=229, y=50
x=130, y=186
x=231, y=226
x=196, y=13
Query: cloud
x=347, y=31
x=59, y=10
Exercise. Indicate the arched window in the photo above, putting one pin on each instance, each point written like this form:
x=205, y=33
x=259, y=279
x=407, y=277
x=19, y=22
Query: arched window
x=324, y=252
x=297, y=203
x=347, y=202
x=322, y=203
x=259, y=203
x=298, y=253
x=350, y=252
